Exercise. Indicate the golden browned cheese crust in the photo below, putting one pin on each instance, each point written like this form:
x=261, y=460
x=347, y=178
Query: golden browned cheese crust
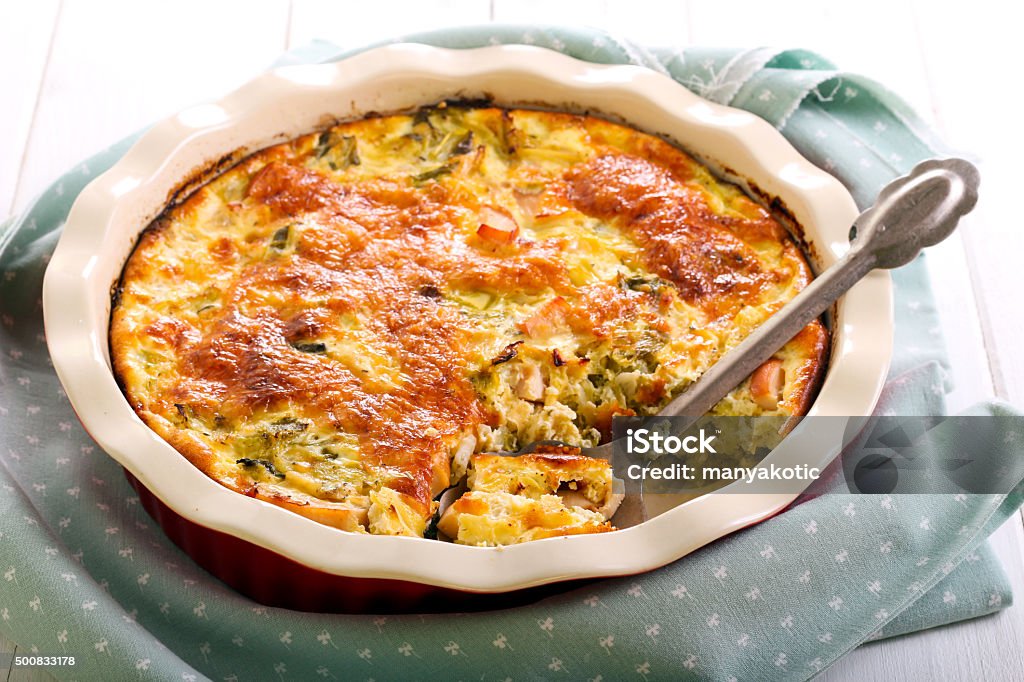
x=336, y=323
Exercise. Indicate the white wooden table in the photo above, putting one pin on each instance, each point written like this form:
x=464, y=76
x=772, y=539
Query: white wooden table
x=77, y=75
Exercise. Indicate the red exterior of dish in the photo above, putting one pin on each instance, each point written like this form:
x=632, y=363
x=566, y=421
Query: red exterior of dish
x=260, y=573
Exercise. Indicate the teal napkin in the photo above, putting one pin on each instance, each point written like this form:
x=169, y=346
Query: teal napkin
x=84, y=571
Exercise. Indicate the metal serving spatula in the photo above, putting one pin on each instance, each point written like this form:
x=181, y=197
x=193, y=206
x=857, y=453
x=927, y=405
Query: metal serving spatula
x=912, y=212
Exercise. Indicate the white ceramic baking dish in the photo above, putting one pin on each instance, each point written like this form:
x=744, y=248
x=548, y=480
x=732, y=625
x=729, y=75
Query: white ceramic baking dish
x=111, y=212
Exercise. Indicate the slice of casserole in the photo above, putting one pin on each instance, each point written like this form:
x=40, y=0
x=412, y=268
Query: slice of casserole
x=511, y=499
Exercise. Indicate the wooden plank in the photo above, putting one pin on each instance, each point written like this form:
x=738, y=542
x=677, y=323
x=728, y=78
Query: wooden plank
x=646, y=21
x=12, y=674
x=30, y=675
x=838, y=32
x=567, y=12
x=661, y=23
x=979, y=110
x=24, y=49
x=6, y=647
x=851, y=35
x=336, y=22
x=960, y=321
x=119, y=65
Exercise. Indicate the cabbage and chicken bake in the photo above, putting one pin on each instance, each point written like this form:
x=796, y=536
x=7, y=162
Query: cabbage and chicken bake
x=346, y=324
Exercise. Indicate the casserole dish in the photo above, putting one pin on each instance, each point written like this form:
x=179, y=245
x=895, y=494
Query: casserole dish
x=182, y=152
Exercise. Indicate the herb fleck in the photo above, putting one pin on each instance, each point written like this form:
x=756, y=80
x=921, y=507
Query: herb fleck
x=279, y=241
x=316, y=347
x=432, y=174
x=265, y=463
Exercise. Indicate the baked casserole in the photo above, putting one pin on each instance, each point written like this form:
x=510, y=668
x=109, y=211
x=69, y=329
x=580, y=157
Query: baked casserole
x=346, y=324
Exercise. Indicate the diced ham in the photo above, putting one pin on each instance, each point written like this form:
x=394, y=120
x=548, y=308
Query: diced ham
x=766, y=384
x=497, y=226
x=549, y=320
